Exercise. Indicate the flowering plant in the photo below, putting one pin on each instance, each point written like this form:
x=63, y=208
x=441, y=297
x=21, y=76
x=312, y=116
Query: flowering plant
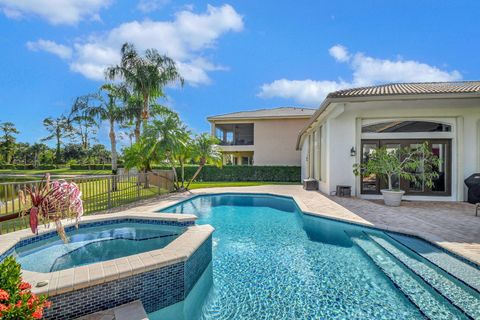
x=16, y=298
x=52, y=200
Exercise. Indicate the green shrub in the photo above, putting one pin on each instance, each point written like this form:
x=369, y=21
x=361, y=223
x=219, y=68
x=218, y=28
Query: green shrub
x=93, y=166
x=243, y=173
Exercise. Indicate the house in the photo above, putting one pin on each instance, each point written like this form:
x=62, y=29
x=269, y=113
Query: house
x=350, y=123
x=260, y=137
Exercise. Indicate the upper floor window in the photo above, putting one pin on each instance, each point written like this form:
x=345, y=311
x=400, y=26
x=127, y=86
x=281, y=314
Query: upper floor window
x=406, y=126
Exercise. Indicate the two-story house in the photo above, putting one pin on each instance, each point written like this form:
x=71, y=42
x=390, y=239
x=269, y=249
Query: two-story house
x=260, y=137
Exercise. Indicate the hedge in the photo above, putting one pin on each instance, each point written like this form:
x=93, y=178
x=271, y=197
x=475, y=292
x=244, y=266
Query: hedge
x=29, y=166
x=244, y=173
x=97, y=166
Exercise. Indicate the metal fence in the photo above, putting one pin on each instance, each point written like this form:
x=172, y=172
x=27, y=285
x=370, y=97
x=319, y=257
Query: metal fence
x=98, y=193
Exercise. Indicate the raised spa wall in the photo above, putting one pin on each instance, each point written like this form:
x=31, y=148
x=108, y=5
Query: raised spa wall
x=157, y=278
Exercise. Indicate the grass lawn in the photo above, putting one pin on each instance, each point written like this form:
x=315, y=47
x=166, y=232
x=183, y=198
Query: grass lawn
x=198, y=185
x=61, y=171
x=96, y=197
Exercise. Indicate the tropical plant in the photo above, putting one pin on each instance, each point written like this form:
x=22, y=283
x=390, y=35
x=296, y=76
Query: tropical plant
x=147, y=76
x=140, y=155
x=205, y=151
x=52, y=200
x=172, y=143
x=22, y=153
x=134, y=106
x=412, y=164
x=59, y=129
x=16, y=298
x=7, y=140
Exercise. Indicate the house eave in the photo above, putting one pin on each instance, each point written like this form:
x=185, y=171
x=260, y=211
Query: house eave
x=398, y=97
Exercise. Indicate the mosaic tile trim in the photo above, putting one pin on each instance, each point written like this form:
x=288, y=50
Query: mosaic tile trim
x=196, y=265
x=156, y=289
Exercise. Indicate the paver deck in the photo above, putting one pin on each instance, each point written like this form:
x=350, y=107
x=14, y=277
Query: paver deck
x=452, y=225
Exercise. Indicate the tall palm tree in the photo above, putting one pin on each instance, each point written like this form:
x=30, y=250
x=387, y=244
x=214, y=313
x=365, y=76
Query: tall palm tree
x=205, y=151
x=59, y=129
x=147, y=76
x=110, y=110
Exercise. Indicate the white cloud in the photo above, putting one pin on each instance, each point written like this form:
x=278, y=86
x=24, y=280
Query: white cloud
x=340, y=53
x=147, y=6
x=366, y=71
x=308, y=92
x=59, y=50
x=185, y=39
x=54, y=11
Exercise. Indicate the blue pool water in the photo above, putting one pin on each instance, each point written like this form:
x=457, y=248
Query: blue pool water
x=94, y=244
x=270, y=261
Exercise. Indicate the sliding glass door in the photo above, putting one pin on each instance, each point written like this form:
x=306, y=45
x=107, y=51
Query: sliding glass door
x=442, y=185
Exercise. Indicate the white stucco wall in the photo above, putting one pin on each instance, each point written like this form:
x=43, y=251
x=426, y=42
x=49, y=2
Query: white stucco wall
x=344, y=132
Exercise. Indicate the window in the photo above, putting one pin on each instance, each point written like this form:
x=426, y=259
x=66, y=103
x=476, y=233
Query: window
x=441, y=148
x=406, y=126
x=318, y=156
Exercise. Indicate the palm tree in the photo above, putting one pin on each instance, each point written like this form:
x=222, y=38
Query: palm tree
x=147, y=76
x=170, y=140
x=134, y=105
x=205, y=151
x=59, y=129
x=8, y=139
x=109, y=110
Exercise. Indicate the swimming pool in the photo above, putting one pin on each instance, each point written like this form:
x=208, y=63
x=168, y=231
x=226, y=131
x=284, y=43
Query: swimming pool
x=93, y=244
x=271, y=261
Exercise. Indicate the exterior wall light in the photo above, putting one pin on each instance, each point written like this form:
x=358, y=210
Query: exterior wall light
x=353, y=152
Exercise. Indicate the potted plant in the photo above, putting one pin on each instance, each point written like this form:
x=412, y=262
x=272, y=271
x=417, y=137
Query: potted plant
x=412, y=164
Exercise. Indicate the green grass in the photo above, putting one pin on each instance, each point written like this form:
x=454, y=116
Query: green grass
x=198, y=185
x=61, y=171
x=96, y=197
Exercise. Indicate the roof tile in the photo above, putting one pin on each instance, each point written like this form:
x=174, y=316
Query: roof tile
x=410, y=88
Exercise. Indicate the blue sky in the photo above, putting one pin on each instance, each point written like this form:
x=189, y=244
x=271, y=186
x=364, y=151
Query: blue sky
x=235, y=55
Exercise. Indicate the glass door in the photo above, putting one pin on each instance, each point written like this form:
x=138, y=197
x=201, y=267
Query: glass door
x=442, y=185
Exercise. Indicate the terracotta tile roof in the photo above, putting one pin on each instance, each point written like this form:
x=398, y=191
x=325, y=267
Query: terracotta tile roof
x=410, y=89
x=282, y=112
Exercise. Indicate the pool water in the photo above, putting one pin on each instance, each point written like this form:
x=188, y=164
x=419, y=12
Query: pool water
x=94, y=244
x=270, y=261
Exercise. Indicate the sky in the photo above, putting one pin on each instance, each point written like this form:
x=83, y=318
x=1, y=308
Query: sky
x=234, y=55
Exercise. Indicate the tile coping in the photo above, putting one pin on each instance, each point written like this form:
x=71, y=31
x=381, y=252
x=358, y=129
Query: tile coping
x=59, y=282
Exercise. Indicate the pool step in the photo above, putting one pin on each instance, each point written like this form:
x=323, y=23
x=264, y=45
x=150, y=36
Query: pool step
x=456, y=267
x=430, y=303
x=465, y=298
